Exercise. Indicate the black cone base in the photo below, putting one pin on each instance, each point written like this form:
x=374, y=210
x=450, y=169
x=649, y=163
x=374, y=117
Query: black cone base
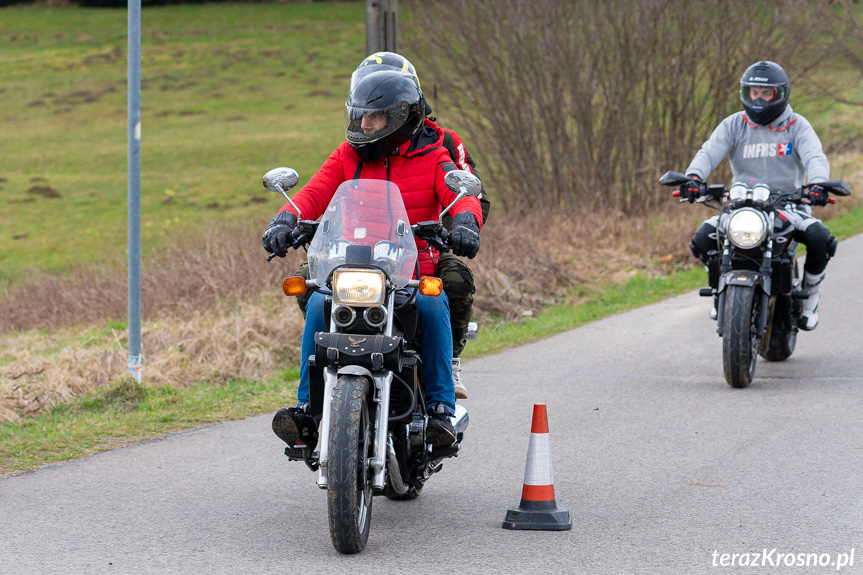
x=556, y=519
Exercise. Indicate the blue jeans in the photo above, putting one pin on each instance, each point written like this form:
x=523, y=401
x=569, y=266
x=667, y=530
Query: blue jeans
x=434, y=334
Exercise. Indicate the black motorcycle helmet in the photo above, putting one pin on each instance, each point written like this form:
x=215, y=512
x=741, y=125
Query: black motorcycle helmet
x=384, y=110
x=764, y=74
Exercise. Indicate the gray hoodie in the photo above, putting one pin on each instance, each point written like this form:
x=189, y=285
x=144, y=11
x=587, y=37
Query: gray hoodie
x=780, y=154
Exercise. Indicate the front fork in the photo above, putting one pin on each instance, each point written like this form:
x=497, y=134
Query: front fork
x=760, y=279
x=379, y=411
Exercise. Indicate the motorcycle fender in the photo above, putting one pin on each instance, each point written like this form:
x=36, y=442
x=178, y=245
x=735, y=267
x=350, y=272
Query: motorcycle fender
x=356, y=370
x=746, y=278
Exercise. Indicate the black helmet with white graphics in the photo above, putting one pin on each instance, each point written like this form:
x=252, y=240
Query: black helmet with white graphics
x=764, y=91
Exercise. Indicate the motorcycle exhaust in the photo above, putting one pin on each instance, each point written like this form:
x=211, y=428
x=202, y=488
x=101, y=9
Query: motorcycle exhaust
x=472, y=330
x=393, y=471
x=460, y=420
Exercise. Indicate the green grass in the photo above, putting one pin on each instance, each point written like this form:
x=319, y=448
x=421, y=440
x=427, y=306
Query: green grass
x=228, y=92
x=127, y=413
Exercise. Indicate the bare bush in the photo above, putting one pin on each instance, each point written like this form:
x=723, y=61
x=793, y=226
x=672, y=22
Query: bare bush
x=189, y=276
x=584, y=103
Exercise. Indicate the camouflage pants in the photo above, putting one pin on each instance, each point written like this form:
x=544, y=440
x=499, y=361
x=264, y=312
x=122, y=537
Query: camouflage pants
x=458, y=285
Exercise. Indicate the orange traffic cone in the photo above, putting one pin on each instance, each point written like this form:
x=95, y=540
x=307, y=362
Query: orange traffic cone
x=538, y=509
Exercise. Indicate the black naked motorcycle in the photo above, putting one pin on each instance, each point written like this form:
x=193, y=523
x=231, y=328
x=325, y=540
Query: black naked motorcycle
x=366, y=377
x=758, y=293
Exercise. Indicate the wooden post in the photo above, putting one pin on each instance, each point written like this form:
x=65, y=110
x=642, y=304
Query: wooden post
x=382, y=26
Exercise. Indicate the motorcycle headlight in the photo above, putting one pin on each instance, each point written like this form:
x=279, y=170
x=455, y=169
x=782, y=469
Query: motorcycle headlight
x=363, y=288
x=746, y=228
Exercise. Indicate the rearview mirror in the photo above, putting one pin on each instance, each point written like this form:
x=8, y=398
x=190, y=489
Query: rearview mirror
x=457, y=180
x=280, y=180
x=836, y=187
x=464, y=184
x=673, y=179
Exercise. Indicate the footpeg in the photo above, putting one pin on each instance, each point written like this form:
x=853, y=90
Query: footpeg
x=303, y=454
x=294, y=453
x=706, y=292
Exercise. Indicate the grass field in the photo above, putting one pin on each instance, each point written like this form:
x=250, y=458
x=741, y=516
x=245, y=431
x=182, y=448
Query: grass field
x=227, y=93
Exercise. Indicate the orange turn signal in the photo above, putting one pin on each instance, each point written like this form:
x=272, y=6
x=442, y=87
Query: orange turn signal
x=294, y=286
x=431, y=286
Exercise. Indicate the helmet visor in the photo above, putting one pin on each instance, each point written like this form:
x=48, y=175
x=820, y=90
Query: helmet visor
x=367, y=125
x=762, y=95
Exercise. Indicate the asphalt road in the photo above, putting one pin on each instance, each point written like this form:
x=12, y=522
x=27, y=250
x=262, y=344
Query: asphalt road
x=663, y=467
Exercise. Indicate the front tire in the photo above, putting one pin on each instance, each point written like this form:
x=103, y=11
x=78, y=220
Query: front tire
x=348, y=473
x=739, y=336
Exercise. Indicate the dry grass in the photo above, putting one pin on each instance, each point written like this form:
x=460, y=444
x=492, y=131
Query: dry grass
x=215, y=310
x=251, y=339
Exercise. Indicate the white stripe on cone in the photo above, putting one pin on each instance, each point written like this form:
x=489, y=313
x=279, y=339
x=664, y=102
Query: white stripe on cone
x=537, y=470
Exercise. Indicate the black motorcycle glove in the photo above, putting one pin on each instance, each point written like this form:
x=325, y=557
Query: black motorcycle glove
x=693, y=189
x=817, y=196
x=277, y=236
x=465, y=235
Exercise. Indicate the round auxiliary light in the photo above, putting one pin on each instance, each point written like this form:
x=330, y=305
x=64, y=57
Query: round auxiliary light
x=344, y=316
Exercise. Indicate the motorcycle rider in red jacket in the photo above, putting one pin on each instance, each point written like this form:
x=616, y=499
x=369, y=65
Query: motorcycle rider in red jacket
x=387, y=139
x=457, y=277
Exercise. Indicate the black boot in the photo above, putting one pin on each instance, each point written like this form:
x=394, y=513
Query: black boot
x=292, y=424
x=440, y=430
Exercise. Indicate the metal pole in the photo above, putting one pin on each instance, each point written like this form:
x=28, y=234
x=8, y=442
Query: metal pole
x=134, y=188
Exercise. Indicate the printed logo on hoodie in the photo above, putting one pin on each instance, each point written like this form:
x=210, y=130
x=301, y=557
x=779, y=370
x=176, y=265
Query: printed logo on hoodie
x=766, y=150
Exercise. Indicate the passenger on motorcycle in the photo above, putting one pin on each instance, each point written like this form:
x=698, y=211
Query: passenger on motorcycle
x=456, y=275
x=771, y=144
x=387, y=139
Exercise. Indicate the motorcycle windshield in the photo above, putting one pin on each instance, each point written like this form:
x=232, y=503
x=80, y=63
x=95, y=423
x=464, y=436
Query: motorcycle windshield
x=365, y=224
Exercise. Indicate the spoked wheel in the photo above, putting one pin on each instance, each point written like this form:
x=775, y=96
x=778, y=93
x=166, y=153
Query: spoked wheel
x=739, y=336
x=348, y=472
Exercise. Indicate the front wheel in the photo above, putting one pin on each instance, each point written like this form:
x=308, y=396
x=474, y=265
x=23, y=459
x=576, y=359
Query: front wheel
x=348, y=472
x=739, y=335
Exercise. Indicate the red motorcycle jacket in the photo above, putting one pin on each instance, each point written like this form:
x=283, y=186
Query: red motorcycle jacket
x=418, y=169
